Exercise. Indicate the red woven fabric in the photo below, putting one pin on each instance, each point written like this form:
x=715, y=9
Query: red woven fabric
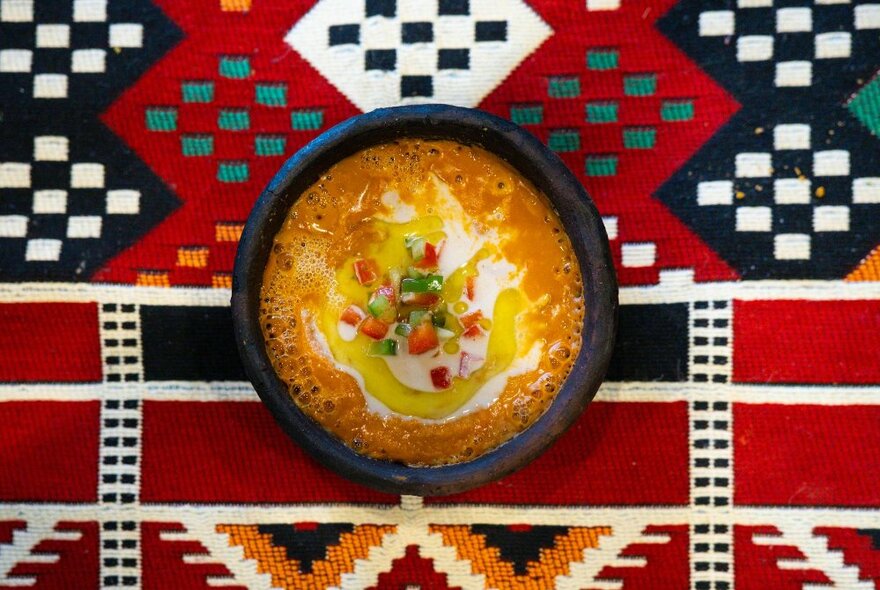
x=731, y=149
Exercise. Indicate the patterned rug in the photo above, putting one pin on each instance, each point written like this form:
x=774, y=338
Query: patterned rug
x=732, y=147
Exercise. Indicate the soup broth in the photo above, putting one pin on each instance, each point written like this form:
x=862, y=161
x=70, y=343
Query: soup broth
x=422, y=302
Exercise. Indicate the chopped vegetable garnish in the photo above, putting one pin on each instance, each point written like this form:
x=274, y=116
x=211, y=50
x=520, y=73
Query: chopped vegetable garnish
x=428, y=284
x=381, y=304
x=416, y=317
x=429, y=258
x=422, y=338
x=352, y=315
x=469, y=286
x=471, y=319
x=378, y=305
x=403, y=330
x=394, y=276
x=441, y=378
x=366, y=270
x=387, y=347
x=414, y=273
x=374, y=328
x=417, y=249
x=472, y=332
x=387, y=291
x=438, y=318
x=444, y=334
x=425, y=299
x=466, y=363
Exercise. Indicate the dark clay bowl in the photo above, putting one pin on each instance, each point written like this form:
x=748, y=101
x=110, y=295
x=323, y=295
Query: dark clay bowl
x=579, y=218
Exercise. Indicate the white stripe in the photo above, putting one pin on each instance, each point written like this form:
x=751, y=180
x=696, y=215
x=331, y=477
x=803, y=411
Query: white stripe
x=610, y=391
x=206, y=515
x=102, y=293
x=683, y=291
x=675, y=286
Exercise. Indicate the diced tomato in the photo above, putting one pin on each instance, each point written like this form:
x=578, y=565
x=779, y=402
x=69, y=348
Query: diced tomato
x=353, y=315
x=422, y=338
x=430, y=258
x=469, y=286
x=374, y=328
x=366, y=270
x=388, y=292
x=426, y=299
x=472, y=332
x=441, y=378
x=471, y=319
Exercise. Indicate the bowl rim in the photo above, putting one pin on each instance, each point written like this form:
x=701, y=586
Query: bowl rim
x=580, y=220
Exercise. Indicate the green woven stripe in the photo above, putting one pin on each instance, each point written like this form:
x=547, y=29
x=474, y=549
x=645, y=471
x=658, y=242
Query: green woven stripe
x=306, y=120
x=527, y=114
x=232, y=172
x=865, y=106
x=601, y=165
x=235, y=67
x=237, y=120
x=641, y=85
x=567, y=87
x=271, y=95
x=161, y=119
x=602, y=59
x=564, y=140
x=269, y=145
x=601, y=112
x=639, y=138
x=197, y=145
x=197, y=91
x=677, y=110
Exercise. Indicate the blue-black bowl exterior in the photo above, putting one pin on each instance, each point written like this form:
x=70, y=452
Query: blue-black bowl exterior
x=580, y=220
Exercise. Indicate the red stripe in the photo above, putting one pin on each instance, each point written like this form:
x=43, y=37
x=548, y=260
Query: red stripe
x=232, y=452
x=806, y=342
x=617, y=453
x=49, y=342
x=807, y=455
x=49, y=451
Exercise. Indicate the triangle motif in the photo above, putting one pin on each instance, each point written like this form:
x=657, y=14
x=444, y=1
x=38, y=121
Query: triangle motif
x=412, y=571
x=500, y=554
x=305, y=555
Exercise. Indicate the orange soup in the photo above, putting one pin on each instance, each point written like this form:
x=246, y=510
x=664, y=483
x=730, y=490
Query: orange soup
x=422, y=302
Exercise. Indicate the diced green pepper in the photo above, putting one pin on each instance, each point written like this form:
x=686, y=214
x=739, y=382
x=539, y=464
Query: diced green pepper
x=439, y=319
x=379, y=305
x=386, y=347
x=428, y=284
x=403, y=330
x=415, y=317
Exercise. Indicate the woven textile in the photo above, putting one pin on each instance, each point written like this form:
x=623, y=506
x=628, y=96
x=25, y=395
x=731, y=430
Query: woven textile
x=733, y=149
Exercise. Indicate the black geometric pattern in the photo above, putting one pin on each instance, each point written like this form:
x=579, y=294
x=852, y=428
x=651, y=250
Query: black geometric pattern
x=639, y=355
x=519, y=545
x=413, y=33
x=305, y=544
x=874, y=534
x=771, y=203
x=72, y=195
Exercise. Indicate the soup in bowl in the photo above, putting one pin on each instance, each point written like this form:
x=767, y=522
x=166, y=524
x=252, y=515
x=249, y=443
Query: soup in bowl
x=424, y=298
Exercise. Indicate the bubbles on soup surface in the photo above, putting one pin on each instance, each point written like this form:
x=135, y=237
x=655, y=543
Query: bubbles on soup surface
x=317, y=238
